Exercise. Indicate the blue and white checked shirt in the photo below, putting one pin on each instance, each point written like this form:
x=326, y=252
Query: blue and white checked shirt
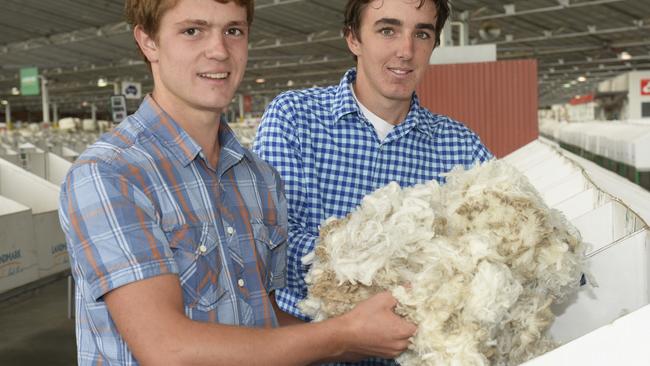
x=330, y=157
x=143, y=201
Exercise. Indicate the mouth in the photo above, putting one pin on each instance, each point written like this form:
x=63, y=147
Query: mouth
x=214, y=75
x=399, y=71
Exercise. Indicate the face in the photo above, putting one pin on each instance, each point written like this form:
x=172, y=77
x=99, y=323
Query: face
x=199, y=56
x=393, y=48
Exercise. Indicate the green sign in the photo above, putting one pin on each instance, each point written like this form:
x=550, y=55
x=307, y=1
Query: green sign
x=29, y=83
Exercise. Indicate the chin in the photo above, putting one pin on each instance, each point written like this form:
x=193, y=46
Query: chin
x=212, y=107
x=400, y=96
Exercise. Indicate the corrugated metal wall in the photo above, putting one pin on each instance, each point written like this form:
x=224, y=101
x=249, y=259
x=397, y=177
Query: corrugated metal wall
x=498, y=100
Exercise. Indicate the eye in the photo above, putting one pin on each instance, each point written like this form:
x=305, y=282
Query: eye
x=235, y=32
x=422, y=35
x=386, y=32
x=191, y=32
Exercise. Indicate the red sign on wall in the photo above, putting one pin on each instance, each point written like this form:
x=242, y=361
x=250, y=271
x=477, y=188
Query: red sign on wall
x=645, y=86
x=582, y=99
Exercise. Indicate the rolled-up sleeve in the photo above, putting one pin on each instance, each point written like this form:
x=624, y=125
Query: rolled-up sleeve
x=112, y=233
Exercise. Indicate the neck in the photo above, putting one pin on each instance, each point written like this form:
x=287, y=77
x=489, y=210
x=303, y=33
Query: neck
x=393, y=111
x=202, y=126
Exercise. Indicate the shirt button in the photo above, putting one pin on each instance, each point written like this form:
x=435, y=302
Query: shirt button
x=203, y=249
x=230, y=230
x=240, y=282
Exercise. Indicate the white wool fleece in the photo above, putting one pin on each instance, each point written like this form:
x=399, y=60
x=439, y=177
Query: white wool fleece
x=475, y=263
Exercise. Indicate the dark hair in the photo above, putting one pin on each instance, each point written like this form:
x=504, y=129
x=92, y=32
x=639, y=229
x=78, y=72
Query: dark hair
x=354, y=8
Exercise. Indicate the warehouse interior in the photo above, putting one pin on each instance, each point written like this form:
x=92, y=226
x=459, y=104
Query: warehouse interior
x=559, y=88
x=298, y=44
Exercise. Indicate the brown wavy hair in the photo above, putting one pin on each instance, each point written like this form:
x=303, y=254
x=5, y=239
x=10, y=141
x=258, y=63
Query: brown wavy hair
x=148, y=13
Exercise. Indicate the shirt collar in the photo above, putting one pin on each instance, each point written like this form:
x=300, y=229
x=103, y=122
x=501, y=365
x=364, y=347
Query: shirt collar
x=344, y=103
x=155, y=120
x=232, y=152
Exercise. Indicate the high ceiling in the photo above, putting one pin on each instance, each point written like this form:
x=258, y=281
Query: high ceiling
x=298, y=43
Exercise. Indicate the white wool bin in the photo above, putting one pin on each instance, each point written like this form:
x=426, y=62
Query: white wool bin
x=549, y=173
x=563, y=189
x=623, y=342
x=620, y=141
x=612, y=215
x=621, y=270
x=33, y=159
x=578, y=204
x=18, y=262
x=42, y=197
x=9, y=154
x=57, y=168
x=530, y=155
x=69, y=154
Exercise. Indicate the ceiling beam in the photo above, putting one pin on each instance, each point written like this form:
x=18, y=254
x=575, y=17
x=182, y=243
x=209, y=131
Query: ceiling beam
x=591, y=31
x=511, y=11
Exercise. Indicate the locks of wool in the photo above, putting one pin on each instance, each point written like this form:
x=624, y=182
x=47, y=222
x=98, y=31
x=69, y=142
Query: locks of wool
x=475, y=263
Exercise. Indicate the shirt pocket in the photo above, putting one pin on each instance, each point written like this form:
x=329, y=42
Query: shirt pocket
x=196, y=251
x=271, y=246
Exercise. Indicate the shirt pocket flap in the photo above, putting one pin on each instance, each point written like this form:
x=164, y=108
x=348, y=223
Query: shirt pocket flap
x=270, y=235
x=195, y=250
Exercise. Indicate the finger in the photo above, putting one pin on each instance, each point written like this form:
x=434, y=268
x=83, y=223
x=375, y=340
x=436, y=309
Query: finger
x=389, y=299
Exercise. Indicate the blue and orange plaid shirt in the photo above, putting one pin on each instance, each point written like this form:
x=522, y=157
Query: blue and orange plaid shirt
x=143, y=201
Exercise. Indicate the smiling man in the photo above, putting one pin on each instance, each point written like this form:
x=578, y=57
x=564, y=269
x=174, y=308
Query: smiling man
x=177, y=235
x=332, y=146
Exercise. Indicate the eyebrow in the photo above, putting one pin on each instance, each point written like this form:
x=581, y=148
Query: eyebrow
x=204, y=23
x=188, y=22
x=397, y=22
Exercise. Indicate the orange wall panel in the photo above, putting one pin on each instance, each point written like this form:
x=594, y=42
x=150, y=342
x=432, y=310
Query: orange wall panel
x=498, y=100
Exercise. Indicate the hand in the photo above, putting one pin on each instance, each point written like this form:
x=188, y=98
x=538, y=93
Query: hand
x=375, y=329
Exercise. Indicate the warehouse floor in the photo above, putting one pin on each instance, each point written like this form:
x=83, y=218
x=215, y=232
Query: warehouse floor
x=35, y=329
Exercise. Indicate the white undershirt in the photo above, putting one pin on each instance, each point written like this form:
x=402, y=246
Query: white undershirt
x=382, y=127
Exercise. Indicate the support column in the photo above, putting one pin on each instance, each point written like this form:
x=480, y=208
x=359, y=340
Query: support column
x=46, y=100
x=93, y=113
x=241, y=107
x=55, y=115
x=7, y=113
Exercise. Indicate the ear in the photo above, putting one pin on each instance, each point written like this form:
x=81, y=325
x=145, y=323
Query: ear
x=147, y=44
x=353, y=43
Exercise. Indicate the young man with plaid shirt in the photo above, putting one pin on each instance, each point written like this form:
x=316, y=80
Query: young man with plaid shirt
x=177, y=234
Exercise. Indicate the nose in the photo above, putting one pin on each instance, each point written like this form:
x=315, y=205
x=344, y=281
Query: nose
x=405, y=47
x=216, y=48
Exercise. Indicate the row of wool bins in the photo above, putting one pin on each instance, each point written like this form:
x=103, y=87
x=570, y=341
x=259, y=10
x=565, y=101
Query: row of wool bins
x=612, y=214
x=475, y=263
x=32, y=244
x=620, y=141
